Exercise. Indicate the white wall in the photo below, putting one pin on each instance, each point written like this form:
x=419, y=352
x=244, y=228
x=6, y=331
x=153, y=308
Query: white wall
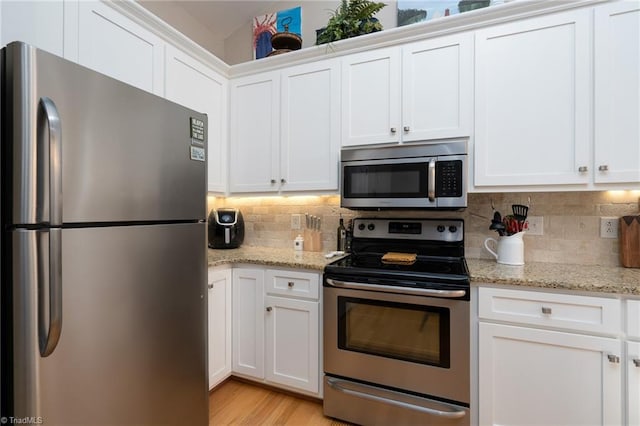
x=315, y=14
x=169, y=12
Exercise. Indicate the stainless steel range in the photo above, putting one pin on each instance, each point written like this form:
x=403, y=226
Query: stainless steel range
x=396, y=325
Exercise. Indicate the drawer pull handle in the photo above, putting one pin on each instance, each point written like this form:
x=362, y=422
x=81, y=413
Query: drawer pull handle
x=636, y=362
x=546, y=311
x=269, y=308
x=290, y=284
x=614, y=359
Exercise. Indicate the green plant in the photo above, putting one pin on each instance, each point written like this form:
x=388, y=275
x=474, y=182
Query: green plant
x=352, y=18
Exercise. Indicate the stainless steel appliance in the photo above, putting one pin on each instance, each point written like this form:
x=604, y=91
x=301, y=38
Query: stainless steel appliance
x=405, y=176
x=396, y=325
x=226, y=228
x=103, y=249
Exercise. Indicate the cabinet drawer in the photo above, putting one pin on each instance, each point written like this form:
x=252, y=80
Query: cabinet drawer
x=293, y=283
x=582, y=313
x=633, y=319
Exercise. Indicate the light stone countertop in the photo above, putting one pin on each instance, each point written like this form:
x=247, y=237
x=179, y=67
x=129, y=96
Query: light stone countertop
x=583, y=278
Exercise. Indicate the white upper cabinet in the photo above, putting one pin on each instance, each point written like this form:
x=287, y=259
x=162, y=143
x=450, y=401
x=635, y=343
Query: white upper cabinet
x=254, y=133
x=415, y=92
x=532, y=101
x=284, y=129
x=38, y=23
x=371, y=97
x=197, y=86
x=617, y=92
x=437, y=88
x=310, y=136
x=110, y=43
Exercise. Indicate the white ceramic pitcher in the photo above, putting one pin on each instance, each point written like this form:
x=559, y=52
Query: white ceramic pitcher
x=509, y=249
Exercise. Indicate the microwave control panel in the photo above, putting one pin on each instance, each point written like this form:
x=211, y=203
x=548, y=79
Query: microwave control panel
x=449, y=178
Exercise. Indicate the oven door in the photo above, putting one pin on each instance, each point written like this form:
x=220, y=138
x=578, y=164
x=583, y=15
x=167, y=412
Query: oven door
x=404, y=341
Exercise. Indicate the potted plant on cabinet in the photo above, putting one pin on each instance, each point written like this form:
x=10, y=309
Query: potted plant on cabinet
x=352, y=18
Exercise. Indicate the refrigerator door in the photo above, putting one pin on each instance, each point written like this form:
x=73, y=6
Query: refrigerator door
x=90, y=149
x=132, y=348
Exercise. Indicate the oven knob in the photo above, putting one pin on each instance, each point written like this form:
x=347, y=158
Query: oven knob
x=453, y=228
x=361, y=227
x=371, y=227
x=440, y=228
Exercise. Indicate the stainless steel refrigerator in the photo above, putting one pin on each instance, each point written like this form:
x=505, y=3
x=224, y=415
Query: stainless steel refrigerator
x=103, y=314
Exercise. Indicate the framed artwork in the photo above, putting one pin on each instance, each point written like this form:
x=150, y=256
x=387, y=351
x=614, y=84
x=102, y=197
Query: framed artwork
x=412, y=11
x=266, y=25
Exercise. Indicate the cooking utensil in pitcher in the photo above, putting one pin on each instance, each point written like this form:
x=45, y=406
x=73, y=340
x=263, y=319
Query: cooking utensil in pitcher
x=520, y=212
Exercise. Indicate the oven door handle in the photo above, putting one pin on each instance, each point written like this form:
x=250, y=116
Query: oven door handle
x=399, y=289
x=437, y=408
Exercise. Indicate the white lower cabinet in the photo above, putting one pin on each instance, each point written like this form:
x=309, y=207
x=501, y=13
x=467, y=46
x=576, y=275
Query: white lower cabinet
x=291, y=344
x=219, y=291
x=276, y=327
x=553, y=373
x=248, y=322
x=633, y=362
x=532, y=376
x=633, y=383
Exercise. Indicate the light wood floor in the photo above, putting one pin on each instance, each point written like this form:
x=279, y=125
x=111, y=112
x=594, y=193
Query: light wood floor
x=238, y=403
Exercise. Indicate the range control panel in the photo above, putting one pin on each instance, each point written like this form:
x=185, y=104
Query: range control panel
x=409, y=229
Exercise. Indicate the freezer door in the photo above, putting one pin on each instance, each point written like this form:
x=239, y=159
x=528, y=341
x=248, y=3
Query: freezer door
x=132, y=348
x=88, y=148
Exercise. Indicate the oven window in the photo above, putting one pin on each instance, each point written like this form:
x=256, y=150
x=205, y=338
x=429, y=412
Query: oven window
x=406, y=180
x=407, y=332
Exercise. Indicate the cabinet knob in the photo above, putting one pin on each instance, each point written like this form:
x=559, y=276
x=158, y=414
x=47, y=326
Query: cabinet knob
x=283, y=181
x=613, y=358
x=636, y=362
x=273, y=181
x=290, y=284
x=603, y=168
x=583, y=169
x=407, y=128
x=269, y=308
x=546, y=311
x=210, y=286
x=393, y=130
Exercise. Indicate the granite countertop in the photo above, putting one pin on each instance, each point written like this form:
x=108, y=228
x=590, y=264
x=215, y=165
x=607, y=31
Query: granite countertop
x=586, y=278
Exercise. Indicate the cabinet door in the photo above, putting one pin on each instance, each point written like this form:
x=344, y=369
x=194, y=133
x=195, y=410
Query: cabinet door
x=219, y=284
x=633, y=393
x=38, y=23
x=437, y=94
x=194, y=85
x=248, y=322
x=617, y=92
x=114, y=45
x=292, y=347
x=310, y=139
x=371, y=97
x=531, y=376
x=532, y=104
x=254, y=133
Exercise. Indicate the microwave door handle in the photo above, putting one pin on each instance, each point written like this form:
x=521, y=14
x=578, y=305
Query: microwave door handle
x=431, y=180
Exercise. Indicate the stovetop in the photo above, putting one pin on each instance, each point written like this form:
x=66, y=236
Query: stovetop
x=438, y=245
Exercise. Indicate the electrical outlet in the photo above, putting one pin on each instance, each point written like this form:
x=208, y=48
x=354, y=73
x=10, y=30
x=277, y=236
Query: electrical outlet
x=295, y=221
x=608, y=227
x=535, y=225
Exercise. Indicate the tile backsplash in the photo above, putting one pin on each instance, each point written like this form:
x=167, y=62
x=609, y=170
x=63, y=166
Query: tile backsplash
x=571, y=221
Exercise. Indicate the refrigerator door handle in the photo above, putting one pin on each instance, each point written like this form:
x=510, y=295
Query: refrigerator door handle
x=49, y=336
x=48, y=116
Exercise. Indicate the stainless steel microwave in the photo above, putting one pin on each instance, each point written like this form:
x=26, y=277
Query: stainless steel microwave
x=429, y=176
